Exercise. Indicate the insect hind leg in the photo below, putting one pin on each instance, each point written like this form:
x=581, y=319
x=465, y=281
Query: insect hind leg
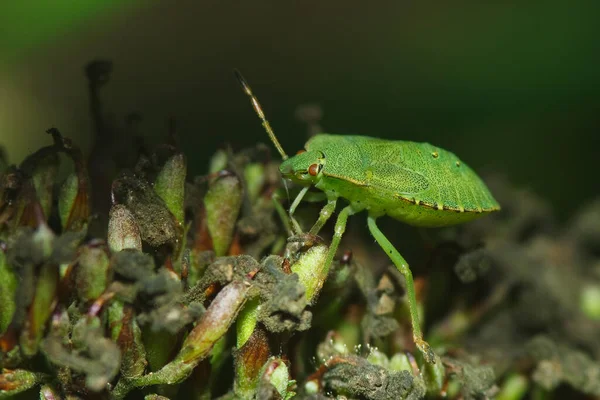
x=402, y=266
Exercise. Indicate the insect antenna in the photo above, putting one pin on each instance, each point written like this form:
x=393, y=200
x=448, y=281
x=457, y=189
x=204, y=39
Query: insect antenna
x=260, y=113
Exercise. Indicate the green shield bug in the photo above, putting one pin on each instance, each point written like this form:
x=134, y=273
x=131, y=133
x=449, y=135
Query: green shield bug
x=416, y=183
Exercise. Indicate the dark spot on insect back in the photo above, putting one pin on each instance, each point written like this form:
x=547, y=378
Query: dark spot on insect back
x=458, y=163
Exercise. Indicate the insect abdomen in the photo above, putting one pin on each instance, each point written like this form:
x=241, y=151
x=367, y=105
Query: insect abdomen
x=453, y=185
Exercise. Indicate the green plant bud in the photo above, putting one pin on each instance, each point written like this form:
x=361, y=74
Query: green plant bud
x=276, y=375
x=123, y=230
x=376, y=357
x=91, y=275
x=223, y=202
x=8, y=288
x=332, y=346
x=214, y=323
x=514, y=388
x=155, y=397
x=247, y=321
x=218, y=162
x=254, y=175
x=47, y=392
x=40, y=309
x=434, y=376
x=128, y=336
x=43, y=240
x=170, y=185
x=43, y=181
x=589, y=301
x=400, y=362
x=159, y=347
x=73, y=204
x=17, y=381
x=311, y=271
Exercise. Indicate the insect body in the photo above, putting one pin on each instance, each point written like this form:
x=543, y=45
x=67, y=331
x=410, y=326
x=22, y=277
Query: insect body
x=415, y=183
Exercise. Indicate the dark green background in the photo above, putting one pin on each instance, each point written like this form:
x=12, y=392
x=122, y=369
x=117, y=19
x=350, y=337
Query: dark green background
x=510, y=86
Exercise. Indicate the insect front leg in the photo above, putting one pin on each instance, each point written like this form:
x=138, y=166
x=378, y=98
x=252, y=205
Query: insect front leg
x=402, y=266
x=295, y=203
x=324, y=215
x=340, y=227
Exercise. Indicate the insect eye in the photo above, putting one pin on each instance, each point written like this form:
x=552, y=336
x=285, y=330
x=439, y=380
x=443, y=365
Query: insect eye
x=300, y=151
x=314, y=169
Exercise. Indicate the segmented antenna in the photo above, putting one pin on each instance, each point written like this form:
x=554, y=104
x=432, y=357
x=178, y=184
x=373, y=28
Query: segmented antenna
x=260, y=113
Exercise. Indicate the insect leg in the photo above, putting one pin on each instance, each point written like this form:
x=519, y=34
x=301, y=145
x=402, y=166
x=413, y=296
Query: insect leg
x=297, y=200
x=324, y=215
x=282, y=214
x=402, y=266
x=340, y=227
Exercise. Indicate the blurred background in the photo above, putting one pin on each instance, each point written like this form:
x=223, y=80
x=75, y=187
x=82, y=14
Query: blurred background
x=512, y=87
